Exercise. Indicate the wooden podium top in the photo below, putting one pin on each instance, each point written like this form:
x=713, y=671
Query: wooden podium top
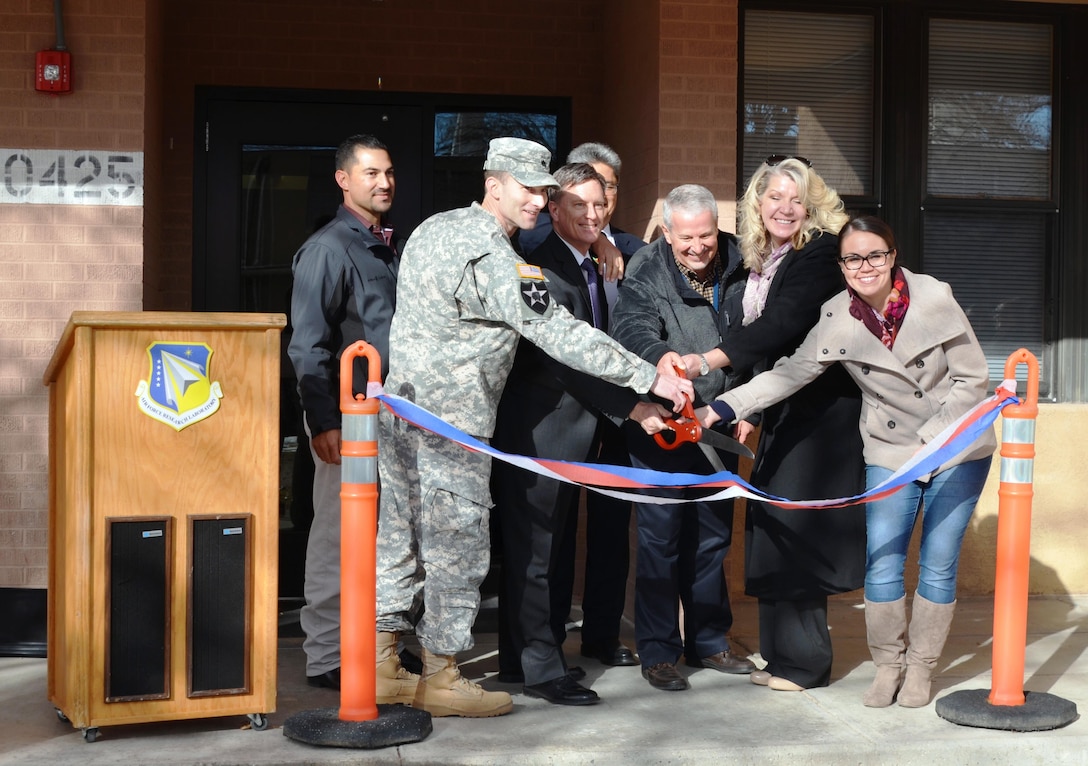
x=156, y=320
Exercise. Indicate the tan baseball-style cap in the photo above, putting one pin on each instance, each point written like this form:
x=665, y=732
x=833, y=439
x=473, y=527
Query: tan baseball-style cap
x=527, y=161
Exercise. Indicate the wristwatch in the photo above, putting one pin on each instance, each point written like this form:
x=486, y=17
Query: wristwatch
x=704, y=366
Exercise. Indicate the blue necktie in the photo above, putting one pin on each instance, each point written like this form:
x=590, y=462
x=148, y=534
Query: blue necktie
x=591, y=279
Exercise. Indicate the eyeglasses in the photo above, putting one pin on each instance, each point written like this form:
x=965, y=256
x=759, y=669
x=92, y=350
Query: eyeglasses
x=774, y=159
x=611, y=188
x=876, y=259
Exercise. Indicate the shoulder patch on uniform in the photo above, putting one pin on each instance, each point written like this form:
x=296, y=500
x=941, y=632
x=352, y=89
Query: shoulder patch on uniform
x=533, y=288
x=529, y=271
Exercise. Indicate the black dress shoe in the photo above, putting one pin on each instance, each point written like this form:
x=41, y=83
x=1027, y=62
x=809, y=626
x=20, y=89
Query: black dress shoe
x=327, y=680
x=563, y=691
x=725, y=662
x=517, y=677
x=611, y=653
x=665, y=676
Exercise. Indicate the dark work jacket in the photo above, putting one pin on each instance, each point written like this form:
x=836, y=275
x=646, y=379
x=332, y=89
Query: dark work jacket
x=809, y=447
x=659, y=311
x=344, y=291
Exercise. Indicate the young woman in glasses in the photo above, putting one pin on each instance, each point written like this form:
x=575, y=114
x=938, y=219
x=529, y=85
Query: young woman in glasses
x=809, y=445
x=909, y=346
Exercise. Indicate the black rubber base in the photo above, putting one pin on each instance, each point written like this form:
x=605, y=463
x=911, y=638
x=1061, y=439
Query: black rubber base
x=395, y=725
x=1040, y=712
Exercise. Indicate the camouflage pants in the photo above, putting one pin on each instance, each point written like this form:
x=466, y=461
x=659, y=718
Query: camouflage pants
x=433, y=535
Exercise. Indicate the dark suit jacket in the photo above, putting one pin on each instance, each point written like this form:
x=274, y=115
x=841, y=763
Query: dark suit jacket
x=628, y=244
x=547, y=409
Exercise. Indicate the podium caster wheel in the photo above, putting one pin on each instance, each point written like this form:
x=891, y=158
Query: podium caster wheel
x=60, y=715
x=258, y=721
x=91, y=734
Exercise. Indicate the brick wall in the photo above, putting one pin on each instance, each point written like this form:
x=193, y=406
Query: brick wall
x=497, y=47
x=698, y=120
x=137, y=64
x=55, y=259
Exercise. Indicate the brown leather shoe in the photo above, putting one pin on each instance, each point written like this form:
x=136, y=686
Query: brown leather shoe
x=664, y=675
x=725, y=662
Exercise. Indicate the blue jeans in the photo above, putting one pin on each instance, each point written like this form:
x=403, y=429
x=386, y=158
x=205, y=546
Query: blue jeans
x=949, y=499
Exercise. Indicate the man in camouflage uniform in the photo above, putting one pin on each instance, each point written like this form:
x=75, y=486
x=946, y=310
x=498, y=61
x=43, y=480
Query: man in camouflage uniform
x=465, y=299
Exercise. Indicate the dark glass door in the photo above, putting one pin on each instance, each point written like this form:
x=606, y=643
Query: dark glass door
x=264, y=183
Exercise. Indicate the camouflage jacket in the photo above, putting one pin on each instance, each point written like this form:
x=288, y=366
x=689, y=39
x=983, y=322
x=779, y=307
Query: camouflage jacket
x=464, y=298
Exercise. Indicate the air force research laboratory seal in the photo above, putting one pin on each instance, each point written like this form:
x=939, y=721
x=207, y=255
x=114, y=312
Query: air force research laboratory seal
x=178, y=391
x=535, y=300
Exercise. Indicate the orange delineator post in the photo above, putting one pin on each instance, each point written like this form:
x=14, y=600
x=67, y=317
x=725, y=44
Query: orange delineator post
x=358, y=538
x=1014, y=537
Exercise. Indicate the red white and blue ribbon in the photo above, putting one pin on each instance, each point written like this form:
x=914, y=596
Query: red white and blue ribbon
x=619, y=481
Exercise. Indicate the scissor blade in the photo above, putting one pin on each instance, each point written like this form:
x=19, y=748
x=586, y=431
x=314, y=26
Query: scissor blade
x=721, y=441
x=712, y=457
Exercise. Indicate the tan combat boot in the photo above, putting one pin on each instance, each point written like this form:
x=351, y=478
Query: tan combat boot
x=393, y=685
x=444, y=692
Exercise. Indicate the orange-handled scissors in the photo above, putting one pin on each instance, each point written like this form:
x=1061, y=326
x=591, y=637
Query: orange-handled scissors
x=690, y=431
x=687, y=431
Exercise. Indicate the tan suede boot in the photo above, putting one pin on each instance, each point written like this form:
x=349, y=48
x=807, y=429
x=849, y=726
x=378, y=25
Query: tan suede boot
x=443, y=691
x=393, y=685
x=929, y=625
x=885, y=629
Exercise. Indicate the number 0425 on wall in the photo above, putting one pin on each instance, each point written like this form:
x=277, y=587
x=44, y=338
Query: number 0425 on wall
x=72, y=177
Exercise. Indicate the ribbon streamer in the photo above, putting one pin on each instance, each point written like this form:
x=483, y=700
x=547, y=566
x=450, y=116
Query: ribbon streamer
x=617, y=481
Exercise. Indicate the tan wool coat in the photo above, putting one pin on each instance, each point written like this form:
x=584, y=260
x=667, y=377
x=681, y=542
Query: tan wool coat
x=935, y=372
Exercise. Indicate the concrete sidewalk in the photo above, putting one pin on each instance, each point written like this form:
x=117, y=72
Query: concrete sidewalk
x=721, y=719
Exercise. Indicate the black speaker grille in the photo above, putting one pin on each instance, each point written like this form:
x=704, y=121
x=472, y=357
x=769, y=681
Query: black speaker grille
x=218, y=635
x=138, y=609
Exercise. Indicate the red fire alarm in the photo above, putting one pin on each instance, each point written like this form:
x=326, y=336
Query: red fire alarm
x=54, y=71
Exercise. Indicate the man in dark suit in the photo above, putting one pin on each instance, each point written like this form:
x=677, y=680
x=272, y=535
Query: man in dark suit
x=608, y=519
x=547, y=410
x=605, y=161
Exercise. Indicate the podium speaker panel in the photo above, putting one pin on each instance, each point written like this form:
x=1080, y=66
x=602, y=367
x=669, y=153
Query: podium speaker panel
x=219, y=633
x=138, y=565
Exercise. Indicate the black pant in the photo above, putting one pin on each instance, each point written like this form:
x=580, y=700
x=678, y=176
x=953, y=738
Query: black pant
x=608, y=555
x=795, y=641
x=681, y=550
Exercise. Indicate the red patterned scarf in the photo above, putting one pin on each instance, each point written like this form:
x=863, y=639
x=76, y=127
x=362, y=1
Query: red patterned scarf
x=884, y=325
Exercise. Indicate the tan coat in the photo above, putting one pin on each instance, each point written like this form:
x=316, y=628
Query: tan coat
x=935, y=372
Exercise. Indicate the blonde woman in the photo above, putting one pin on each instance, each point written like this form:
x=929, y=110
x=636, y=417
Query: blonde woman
x=809, y=446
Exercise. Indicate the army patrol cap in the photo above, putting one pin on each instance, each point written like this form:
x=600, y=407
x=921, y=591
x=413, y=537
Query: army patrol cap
x=526, y=161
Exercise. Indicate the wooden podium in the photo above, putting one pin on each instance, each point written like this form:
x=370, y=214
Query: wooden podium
x=163, y=517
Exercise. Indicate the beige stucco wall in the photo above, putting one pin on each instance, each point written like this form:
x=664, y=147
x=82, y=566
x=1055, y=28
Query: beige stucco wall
x=1058, y=531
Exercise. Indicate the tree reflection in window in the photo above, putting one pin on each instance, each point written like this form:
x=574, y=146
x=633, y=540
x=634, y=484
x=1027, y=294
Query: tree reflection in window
x=466, y=134
x=460, y=146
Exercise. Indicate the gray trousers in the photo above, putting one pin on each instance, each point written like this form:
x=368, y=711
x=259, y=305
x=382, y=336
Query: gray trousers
x=320, y=617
